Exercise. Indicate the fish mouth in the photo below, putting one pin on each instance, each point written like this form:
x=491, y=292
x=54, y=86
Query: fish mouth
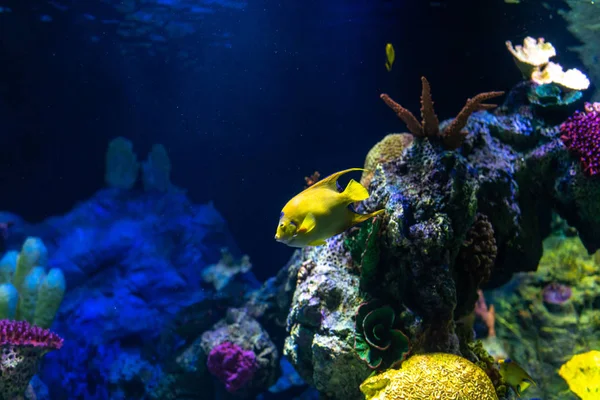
x=282, y=240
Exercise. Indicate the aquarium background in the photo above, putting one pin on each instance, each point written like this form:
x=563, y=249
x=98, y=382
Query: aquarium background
x=267, y=94
x=247, y=97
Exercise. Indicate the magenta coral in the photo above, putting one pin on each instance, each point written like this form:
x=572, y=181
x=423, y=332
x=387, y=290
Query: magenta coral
x=21, y=333
x=22, y=345
x=232, y=365
x=581, y=135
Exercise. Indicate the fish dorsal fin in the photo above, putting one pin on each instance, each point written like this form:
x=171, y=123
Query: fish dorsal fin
x=308, y=224
x=331, y=180
x=355, y=192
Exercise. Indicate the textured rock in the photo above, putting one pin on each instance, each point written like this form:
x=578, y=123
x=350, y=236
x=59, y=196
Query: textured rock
x=242, y=330
x=321, y=323
x=511, y=167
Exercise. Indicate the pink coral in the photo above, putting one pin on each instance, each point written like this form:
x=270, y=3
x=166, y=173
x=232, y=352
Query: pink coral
x=232, y=365
x=581, y=135
x=21, y=333
x=21, y=347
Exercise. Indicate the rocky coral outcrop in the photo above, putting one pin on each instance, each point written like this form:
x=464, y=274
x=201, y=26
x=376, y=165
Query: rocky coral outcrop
x=504, y=165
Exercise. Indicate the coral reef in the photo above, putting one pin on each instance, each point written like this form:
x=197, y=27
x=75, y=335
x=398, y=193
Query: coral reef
x=132, y=262
x=428, y=376
x=547, y=316
x=469, y=201
x=22, y=346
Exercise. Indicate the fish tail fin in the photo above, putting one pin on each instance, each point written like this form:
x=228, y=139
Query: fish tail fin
x=355, y=192
x=358, y=218
x=388, y=66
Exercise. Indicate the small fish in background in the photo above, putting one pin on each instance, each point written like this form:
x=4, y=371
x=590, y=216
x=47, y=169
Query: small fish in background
x=512, y=1
x=390, y=56
x=515, y=376
x=321, y=211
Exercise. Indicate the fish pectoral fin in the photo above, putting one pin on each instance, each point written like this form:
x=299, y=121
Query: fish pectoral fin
x=318, y=242
x=355, y=192
x=308, y=224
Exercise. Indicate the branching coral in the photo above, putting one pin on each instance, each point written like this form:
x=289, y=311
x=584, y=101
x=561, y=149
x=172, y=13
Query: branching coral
x=453, y=135
x=312, y=179
x=26, y=291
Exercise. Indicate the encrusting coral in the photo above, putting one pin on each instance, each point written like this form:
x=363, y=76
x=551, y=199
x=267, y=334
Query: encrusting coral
x=390, y=148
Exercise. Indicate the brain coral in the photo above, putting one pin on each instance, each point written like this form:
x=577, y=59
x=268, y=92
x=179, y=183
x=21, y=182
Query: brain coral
x=389, y=148
x=437, y=376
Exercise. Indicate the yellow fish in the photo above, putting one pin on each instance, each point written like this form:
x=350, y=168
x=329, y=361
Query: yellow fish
x=515, y=376
x=321, y=211
x=390, y=55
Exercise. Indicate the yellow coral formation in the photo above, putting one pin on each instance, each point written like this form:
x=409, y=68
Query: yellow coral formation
x=582, y=373
x=572, y=79
x=389, y=148
x=437, y=376
x=533, y=59
x=532, y=54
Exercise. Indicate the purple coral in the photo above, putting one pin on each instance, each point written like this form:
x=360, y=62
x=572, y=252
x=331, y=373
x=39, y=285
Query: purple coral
x=581, y=135
x=232, y=365
x=21, y=347
x=556, y=293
